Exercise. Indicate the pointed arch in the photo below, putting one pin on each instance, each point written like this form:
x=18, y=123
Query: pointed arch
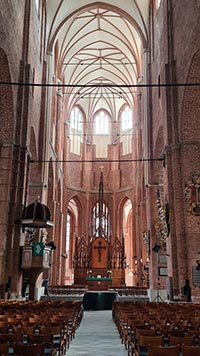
x=72, y=229
x=6, y=103
x=126, y=227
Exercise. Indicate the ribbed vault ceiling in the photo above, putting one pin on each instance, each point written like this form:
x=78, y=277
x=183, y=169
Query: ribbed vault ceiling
x=98, y=44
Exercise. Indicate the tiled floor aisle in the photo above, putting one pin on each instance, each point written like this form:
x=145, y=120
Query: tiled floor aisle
x=97, y=336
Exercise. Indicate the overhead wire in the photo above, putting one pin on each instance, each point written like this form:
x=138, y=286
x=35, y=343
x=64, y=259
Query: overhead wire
x=100, y=160
x=152, y=85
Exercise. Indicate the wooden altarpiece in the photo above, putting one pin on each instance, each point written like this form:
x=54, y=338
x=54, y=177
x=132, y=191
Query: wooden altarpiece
x=98, y=262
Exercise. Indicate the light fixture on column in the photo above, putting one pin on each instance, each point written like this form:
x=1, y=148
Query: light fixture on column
x=198, y=265
x=156, y=248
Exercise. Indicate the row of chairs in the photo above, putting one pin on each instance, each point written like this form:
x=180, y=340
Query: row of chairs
x=21, y=349
x=185, y=350
x=159, y=324
x=53, y=338
x=50, y=325
x=141, y=347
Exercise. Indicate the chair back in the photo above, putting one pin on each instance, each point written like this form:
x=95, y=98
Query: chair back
x=28, y=350
x=186, y=340
x=163, y=351
x=191, y=350
x=151, y=340
x=145, y=340
x=4, y=348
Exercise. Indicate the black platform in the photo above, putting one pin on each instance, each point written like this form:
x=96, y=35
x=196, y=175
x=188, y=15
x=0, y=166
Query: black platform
x=99, y=300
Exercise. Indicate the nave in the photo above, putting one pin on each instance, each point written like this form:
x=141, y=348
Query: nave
x=97, y=335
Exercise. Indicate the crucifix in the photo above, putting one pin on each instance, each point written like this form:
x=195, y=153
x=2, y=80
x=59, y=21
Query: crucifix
x=99, y=248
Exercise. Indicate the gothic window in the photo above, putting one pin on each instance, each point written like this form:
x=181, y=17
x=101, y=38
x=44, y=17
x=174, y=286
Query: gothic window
x=158, y=3
x=76, y=130
x=101, y=133
x=100, y=217
x=126, y=119
x=68, y=228
x=76, y=119
x=37, y=5
x=101, y=123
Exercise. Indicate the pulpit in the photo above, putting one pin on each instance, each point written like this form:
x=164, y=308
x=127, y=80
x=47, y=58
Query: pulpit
x=36, y=256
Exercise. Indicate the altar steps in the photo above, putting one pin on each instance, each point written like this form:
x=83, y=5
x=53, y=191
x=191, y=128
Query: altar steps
x=75, y=292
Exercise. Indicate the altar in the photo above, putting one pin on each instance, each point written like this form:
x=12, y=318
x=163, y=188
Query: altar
x=98, y=283
x=96, y=300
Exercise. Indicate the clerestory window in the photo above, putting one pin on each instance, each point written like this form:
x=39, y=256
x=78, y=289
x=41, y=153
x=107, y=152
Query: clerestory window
x=37, y=5
x=76, y=130
x=102, y=133
x=68, y=231
x=158, y=3
x=126, y=119
x=101, y=123
x=76, y=119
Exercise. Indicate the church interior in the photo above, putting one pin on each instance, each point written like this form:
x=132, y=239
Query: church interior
x=99, y=151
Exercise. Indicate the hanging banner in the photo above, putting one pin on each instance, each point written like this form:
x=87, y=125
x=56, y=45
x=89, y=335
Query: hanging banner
x=38, y=248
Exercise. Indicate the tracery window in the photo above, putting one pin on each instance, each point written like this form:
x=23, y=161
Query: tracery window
x=68, y=230
x=76, y=119
x=101, y=123
x=126, y=119
x=100, y=218
x=76, y=130
x=101, y=133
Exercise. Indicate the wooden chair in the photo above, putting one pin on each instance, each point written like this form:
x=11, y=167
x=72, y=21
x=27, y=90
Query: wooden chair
x=12, y=320
x=11, y=338
x=4, y=329
x=30, y=349
x=47, y=339
x=59, y=339
x=4, y=348
x=145, y=340
x=181, y=340
x=190, y=350
x=23, y=329
x=177, y=332
x=132, y=340
x=3, y=323
x=164, y=351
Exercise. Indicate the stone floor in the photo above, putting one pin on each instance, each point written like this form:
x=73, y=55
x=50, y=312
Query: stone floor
x=97, y=335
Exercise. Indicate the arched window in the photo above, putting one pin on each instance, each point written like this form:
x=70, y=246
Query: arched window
x=100, y=219
x=76, y=130
x=76, y=119
x=102, y=133
x=158, y=3
x=68, y=231
x=37, y=5
x=126, y=119
x=101, y=123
